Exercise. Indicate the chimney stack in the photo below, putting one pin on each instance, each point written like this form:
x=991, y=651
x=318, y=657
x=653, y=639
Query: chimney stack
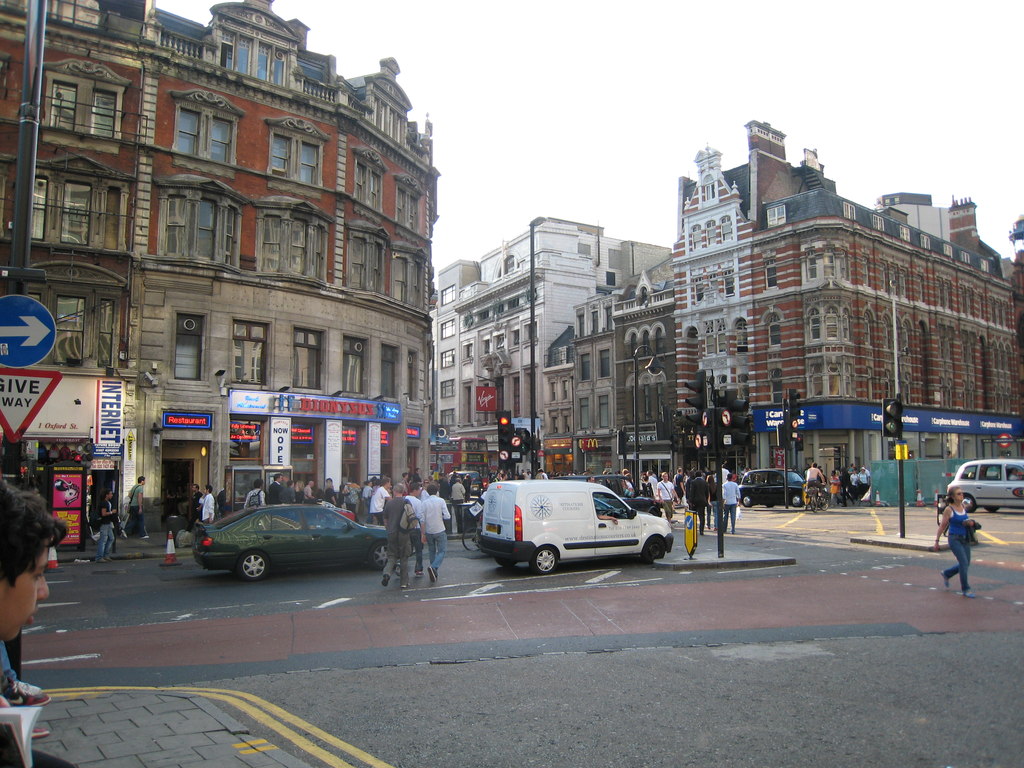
x=963, y=224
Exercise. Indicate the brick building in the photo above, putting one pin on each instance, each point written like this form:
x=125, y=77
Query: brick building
x=820, y=285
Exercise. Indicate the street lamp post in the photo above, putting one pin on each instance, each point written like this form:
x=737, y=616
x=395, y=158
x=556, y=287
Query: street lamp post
x=654, y=367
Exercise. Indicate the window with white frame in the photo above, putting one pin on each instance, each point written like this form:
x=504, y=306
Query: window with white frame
x=291, y=241
x=947, y=249
x=726, y=225
x=467, y=350
x=849, y=210
x=199, y=220
x=258, y=58
x=774, y=324
x=877, y=222
x=296, y=150
x=708, y=190
x=926, y=242
x=249, y=345
x=85, y=97
x=729, y=281
x=904, y=232
x=447, y=294
x=741, y=336
x=206, y=125
x=448, y=358
x=776, y=215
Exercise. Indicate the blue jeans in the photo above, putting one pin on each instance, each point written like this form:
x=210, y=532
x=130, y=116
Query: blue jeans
x=106, y=541
x=437, y=546
x=730, y=514
x=962, y=551
x=136, y=522
x=417, y=547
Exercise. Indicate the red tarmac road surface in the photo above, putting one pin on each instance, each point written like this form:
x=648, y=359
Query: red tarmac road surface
x=901, y=595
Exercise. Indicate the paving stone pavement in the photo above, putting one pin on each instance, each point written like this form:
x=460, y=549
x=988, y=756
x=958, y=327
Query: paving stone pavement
x=152, y=729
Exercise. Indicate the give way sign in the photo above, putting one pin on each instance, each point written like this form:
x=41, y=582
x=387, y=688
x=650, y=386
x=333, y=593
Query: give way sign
x=22, y=394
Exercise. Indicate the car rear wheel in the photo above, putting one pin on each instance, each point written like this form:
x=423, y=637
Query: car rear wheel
x=544, y=560
x=252, y=566
x=748, y=502
x=653, y=550
x=797, y=501
x=378, y=557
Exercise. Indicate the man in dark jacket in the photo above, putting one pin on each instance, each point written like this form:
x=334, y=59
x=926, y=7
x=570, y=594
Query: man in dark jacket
x=844, y=486
x=274, y=490
x=698, y=498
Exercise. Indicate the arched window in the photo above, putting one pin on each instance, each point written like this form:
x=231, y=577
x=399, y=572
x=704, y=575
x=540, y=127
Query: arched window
x=726, y=228
x=709, y=231
x=660, y=347
x=831, y=324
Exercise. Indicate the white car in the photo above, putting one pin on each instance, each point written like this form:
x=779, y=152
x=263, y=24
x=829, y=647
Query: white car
x=991, y=483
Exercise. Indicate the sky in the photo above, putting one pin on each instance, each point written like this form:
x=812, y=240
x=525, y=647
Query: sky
x=592, y=110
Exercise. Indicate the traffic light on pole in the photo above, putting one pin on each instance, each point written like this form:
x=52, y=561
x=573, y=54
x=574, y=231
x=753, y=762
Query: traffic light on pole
x=505, y=434
x=793, y=416
x=892, y=417
x=739, y=417
x=699, y=398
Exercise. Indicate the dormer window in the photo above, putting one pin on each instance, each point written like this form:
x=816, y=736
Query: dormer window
x=252, y=57
x=776, y=215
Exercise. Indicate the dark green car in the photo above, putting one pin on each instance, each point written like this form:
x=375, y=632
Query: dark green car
x=254, y=542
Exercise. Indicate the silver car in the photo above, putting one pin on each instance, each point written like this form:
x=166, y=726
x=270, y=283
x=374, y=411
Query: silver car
x=991, y=483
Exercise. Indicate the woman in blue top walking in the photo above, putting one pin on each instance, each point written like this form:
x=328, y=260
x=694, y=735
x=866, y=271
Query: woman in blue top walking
x=955, y=523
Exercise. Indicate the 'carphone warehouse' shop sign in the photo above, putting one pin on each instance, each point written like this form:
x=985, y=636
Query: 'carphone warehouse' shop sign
x=867, y=417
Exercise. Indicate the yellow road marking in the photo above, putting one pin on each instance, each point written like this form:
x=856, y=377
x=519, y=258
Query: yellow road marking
x=990, y=537
x=254, y=746
x=879, y=528
x=260, y=710
x=799, y=515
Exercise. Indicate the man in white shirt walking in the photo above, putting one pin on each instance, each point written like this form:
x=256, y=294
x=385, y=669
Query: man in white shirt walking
x=665, y=495
x=435, y=512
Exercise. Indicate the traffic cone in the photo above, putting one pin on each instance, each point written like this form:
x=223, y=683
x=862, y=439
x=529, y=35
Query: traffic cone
x=51, y=560
x=920, y=498
x=170, y=558
x=878, y=500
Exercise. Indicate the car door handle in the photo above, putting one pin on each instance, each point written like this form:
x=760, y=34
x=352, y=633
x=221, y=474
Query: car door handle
x=602, y=525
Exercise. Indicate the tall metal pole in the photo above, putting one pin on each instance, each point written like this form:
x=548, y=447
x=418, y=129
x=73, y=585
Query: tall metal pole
x=534, y=437
x=28, y=138
x=636, y=422
x=900, y=479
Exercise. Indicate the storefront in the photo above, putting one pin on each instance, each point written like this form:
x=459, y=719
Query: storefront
x=73, y=448
x=312, y=437
x=850, y=433
x=655, y=455
x=558, y=456
x=596, y=454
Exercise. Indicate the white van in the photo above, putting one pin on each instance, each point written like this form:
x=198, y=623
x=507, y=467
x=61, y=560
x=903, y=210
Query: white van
x=543, y=521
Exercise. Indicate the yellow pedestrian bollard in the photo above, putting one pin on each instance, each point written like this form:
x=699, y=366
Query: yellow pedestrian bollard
x=690, y=532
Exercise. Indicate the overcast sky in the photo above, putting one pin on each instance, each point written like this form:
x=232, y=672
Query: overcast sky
x=592, y=110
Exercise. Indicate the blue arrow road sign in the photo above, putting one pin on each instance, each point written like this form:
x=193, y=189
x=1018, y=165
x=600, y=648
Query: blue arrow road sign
x=27, y=331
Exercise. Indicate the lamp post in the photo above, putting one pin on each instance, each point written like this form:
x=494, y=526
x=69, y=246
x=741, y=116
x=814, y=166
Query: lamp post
x=654, y=367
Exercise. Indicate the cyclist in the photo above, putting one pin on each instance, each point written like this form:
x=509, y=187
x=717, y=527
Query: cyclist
x=815, y=484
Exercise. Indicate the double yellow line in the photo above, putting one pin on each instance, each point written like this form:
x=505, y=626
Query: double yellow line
x=282, y=722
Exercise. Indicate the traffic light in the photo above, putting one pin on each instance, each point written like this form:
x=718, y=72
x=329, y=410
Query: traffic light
x=505, y=434
x=699, y=398
x=520, y=443
x=622, y=442
x=892, y=417
x=739, y=417
x=793, y=417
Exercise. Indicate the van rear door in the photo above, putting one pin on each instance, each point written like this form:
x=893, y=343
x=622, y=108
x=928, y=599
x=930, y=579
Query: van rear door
x=499, y=511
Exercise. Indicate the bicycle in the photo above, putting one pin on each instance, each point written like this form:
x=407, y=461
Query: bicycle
x=817, y=498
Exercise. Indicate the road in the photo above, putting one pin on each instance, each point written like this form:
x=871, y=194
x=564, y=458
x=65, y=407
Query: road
x=854, y=656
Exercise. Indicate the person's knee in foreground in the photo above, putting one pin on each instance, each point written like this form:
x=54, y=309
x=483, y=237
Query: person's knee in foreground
x=27, y=531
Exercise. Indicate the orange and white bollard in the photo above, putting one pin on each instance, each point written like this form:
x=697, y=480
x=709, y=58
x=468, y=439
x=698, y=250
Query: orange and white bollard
x=920, y=498
x=878, y=500
x=171, y=558
x=51, y=560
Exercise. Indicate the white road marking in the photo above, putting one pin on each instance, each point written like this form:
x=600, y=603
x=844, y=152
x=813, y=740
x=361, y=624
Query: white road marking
x=602, y=577
x=485, y=588
x=56, y=605
x=331, y=603
x=83, y=657
x=480, y=593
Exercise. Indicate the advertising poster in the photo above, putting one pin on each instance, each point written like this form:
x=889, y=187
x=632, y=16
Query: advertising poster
x=67, y=501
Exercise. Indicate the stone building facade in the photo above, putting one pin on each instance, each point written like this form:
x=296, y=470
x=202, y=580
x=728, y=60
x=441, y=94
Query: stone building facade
x=262, y=224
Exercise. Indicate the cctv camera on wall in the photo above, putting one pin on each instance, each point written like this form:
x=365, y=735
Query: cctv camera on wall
x=149, y=378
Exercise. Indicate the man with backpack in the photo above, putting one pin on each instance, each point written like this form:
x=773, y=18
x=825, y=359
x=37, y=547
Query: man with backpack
x=136, y=515
x=256, y=497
